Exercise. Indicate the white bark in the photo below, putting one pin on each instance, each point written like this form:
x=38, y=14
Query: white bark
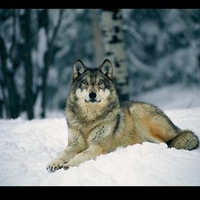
x=113, y=38
x=98, y=43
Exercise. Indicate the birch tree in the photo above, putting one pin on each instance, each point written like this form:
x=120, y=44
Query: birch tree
x=98, y=43
x=113, y=39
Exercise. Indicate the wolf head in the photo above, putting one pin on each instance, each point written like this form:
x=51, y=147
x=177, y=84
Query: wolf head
x=93, y=85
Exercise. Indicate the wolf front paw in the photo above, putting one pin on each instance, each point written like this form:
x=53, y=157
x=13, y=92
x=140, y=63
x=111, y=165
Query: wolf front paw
x=71, y=163
x=55, y=165
x=65, y=167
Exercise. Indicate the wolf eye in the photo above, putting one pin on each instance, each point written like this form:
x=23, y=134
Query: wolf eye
x=101, y=82
x=84, y=82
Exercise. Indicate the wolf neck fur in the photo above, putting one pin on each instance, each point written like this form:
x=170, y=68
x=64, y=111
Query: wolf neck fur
x=89, y=112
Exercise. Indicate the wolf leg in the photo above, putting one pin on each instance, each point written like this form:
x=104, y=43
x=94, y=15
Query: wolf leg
x=65, y=156
x=186, y=139
x=90, y=153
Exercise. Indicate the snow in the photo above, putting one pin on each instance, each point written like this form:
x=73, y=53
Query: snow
x=172, y=97
x=28, y=146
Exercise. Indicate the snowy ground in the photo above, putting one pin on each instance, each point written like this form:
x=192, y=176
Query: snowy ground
x=26, y=148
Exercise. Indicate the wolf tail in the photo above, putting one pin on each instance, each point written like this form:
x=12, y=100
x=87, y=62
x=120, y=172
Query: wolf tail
x=186, y=139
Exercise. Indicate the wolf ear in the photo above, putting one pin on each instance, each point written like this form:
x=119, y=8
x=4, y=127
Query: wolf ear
x=106, y=68
x=78, y=68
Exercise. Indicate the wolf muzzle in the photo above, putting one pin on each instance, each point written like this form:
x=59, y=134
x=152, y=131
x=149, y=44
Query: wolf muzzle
x=92, y=96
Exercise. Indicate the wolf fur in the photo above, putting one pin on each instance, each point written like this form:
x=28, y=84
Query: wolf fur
x=98, y=123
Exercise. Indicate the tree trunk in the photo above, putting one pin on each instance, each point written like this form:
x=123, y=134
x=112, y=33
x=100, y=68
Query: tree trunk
x=113, y=38
x=11, y=97
x=98, y=40
x=47, y=58
x=4, y=76
x=29, y=96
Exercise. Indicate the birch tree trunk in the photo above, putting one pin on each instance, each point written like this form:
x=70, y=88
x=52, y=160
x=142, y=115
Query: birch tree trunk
x=113, y=38
x=98, y=43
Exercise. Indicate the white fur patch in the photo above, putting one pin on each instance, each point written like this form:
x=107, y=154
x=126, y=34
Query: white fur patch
x=103, y=94
x=83, y=95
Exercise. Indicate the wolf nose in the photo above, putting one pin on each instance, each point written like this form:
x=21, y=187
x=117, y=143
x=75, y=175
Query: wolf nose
x=92, y=95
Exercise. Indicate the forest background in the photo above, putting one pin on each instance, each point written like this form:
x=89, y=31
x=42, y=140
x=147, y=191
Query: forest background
x=149, y=48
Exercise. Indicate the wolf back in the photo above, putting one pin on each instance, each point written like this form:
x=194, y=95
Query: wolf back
x=98, y=123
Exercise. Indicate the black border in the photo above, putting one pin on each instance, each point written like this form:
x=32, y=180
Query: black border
x=188, y=4
x=130, y=191
x=138, y=190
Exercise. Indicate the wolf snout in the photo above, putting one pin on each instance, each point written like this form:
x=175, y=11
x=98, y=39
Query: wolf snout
x=92, y=95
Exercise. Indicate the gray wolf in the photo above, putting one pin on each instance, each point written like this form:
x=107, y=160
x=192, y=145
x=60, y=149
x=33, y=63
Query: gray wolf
x=98, y=123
